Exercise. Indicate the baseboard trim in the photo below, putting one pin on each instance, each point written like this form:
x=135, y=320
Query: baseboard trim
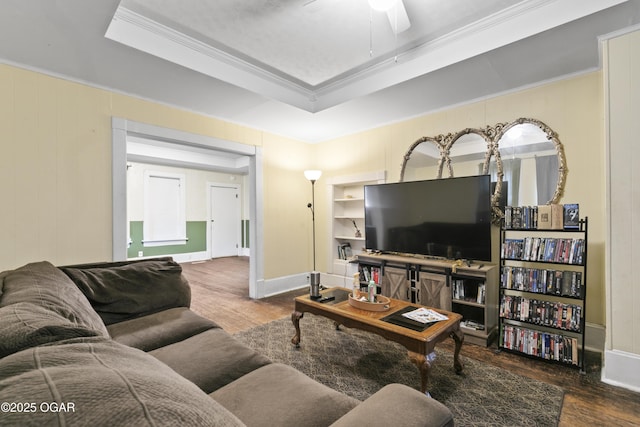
x=283, y=284
x=621, y=369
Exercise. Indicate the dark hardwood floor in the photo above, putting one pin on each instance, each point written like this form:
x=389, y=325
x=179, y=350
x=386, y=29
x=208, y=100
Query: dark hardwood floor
x=220, y=292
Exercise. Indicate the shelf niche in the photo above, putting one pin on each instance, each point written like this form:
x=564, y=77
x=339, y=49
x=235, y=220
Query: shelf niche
x=346, y=194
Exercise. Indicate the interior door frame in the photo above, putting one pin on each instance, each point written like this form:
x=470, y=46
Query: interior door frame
x=122, y=128
x=238, y=188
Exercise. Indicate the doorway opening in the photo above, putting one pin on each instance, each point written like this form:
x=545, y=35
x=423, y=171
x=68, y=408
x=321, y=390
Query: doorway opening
x=134, y=141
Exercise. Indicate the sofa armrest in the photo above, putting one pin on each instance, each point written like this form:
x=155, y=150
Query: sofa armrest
x=397, y=405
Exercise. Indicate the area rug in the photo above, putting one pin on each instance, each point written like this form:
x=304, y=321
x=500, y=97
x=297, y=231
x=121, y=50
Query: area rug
x=358, y=364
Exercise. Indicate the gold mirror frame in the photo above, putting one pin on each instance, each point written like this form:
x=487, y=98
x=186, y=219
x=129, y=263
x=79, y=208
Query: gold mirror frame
x=440, y=143
x=492, y=136
x=552, y=136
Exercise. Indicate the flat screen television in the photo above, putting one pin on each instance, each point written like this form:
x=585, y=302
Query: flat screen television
x=444, y=218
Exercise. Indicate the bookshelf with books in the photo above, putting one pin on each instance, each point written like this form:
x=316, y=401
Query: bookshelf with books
x=370, y=272
x=542, y=293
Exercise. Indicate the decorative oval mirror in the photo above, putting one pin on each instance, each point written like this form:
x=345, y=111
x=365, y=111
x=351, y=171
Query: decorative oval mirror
x=525, y=159
x=468, y=151
x=472, y=151
x=533, y=163
x=423, y=160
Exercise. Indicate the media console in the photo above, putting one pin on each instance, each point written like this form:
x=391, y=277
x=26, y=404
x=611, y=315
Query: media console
x=470, y=289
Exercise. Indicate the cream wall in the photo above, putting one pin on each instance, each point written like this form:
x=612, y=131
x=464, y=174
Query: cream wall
x=55, y=180
x=287, y=230
x=55, y=172
x=622, y=352
x=572, y=107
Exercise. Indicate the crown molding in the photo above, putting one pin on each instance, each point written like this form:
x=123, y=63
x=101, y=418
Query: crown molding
x=515, y=23
x=139, y=32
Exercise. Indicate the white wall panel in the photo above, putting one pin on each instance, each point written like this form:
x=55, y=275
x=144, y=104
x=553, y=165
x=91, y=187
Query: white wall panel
x=622, y=356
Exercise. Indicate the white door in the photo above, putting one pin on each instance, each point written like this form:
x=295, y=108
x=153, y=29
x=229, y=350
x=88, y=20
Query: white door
x=224, y=224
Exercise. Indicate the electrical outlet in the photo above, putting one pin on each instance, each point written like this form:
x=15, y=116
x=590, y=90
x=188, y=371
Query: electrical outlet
x=140, y=253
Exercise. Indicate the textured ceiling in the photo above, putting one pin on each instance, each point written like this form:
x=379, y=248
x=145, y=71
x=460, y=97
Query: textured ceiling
x=313, y=42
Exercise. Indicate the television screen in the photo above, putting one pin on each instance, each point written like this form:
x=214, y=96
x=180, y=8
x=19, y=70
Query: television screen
x=444, y=218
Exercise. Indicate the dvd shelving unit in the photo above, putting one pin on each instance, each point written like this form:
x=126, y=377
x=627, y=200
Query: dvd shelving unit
x=542, y=294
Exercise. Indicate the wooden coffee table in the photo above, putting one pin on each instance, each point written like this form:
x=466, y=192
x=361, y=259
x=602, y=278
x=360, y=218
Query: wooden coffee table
x=418, y=343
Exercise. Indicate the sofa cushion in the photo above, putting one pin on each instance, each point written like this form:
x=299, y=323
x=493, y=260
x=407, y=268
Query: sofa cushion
x=24, y=325
x=394, y=402
x=211, y=359
x=287, y=398
x=44, y=285
x=159, y=329
x=123, y=290
x=103, y=383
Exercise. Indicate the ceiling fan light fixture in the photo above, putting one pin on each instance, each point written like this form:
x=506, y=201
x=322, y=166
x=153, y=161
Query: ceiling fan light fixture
x=398, y=18
x=382, y=5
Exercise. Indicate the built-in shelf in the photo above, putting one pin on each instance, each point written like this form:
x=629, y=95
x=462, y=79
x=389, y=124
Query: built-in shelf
x=350, y=199
x=347, y=207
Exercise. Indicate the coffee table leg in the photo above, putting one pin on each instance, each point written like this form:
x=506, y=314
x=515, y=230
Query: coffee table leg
x=424, y=366
x=458, y=337
x=295, y=318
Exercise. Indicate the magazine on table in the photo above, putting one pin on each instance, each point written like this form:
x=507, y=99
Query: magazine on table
x=425, y=315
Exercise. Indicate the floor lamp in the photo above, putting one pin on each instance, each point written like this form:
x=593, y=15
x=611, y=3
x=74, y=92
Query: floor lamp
x=314, y=276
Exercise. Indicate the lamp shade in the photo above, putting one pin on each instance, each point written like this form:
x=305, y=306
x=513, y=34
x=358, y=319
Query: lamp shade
x=312, y=175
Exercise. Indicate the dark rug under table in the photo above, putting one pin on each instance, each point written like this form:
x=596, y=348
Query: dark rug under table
x=358, y=364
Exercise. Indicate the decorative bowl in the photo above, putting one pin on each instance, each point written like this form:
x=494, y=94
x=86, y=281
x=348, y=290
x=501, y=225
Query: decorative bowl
x=382, y=303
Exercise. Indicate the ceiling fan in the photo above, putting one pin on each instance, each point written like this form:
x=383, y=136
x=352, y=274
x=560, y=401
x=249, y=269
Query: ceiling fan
x=397, y=14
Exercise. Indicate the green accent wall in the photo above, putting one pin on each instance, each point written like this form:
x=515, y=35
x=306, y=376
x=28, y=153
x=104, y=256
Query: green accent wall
x=196, y=235
x=245, y=233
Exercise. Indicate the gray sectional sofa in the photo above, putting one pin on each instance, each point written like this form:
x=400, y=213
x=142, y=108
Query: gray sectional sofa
x=115, y=344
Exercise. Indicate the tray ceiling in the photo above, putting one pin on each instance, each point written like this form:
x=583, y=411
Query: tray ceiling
x=311, y=70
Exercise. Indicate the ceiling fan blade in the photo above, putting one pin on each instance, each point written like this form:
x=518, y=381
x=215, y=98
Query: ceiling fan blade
x=398, y=17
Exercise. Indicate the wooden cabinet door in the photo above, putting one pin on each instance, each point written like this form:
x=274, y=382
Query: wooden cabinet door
x=395, y=284
x=433, y=291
